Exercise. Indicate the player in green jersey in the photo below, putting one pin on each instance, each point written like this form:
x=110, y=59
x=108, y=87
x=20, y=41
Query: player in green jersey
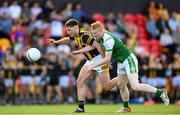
x=127, y=69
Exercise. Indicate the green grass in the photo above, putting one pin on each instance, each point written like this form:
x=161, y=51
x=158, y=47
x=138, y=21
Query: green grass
x=90, y=110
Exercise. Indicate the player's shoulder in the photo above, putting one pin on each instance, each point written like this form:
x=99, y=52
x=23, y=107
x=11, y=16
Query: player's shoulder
x=85, y=34
x=107, y=37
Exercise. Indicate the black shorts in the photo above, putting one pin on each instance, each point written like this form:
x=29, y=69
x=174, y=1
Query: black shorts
x=54, y=81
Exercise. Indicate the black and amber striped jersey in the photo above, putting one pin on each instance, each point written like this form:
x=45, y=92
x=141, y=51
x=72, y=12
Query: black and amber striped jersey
x=85, y=39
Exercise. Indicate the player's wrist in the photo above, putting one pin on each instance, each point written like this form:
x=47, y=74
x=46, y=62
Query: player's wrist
x=55, y=42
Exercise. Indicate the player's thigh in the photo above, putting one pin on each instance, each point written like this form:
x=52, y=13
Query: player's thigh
x=84, y=75
x=49, y=88
x=104, y=78
x=133, y=79
x=57, y=88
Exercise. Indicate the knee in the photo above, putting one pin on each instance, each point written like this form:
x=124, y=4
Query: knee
x=135, y=87
x=121, y=87
x=80, y=82
x=107, y=86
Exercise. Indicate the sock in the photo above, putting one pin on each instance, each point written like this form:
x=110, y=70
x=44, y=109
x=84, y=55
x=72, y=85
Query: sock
x=125, y=104
x=159, y=92
x=81, y=104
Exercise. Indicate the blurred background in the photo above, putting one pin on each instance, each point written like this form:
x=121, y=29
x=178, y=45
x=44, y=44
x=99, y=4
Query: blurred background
x=150, y=29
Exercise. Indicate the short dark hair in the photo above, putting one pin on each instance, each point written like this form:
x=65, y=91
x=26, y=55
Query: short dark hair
x=71, y=23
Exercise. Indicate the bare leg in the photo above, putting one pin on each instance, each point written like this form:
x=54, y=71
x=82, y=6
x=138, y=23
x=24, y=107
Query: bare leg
x=81, y=89
x=49, y=92
x=123, y=80
x=59, y=92
x=135, y=85
x=106, y=82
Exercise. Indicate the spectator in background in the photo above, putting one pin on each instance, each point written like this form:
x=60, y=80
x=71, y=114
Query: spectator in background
x=163, y=11
x=152, y=10
x=78, y=13
x=131, y=29
x=175, y=91
x=120, y=22
x=2, y=86
x=176, y=37
x=110, y=17
x=67, y=11
x=19, y=44
x=40, y=46
x=36, y=9
x=66, y=80
x=173, y=22
x=26, y=9
x=151, y=27
x=4, y=9
x=10, y=63
x=162, y=24
x=17, y=31
x=5, y=23
x=166, y=40
x=112, y=27
x=25, y=76
x=53, y=84
x=15, y=10
x=48, y=7
x=56, y=26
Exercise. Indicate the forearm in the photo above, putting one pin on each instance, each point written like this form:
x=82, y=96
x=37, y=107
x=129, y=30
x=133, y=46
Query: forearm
x=85, y=49
x=99, y=48
x=64, y=40
x=103, y=61
x=101, y=51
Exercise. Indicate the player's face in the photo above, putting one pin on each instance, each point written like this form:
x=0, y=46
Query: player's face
x=97, y=33
x=73, y=31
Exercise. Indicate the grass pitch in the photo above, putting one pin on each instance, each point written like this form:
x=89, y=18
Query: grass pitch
x=108, y=109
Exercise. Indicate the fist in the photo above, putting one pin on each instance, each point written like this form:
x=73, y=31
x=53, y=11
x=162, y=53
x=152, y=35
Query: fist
x=51, y=41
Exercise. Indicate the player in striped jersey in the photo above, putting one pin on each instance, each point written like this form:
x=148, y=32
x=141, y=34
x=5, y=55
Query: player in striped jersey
x=84, y=39
x=127, y=69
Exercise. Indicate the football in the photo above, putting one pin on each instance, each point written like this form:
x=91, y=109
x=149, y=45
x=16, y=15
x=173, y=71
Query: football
x=33, y=54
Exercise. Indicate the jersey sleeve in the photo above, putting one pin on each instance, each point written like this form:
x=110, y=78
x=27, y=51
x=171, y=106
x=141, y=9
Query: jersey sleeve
x=87, y=39
x=109, y=44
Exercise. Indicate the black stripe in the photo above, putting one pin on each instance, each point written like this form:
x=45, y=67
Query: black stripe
x=93, y=54
x=30, y=58
x=86, y=56
x=85, y=38
x=71, y=38
x=91, y=42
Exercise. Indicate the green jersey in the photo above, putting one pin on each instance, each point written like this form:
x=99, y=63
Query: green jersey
x=110, y=43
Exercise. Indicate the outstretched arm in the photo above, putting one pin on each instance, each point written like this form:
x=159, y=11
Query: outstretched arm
x=85, y=49
x=65, y=40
